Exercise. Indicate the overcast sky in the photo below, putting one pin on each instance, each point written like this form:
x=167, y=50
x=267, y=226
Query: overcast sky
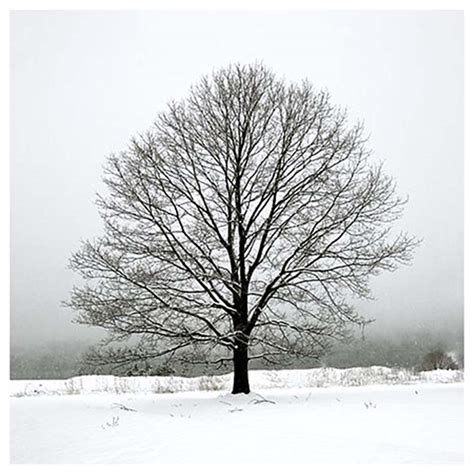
x=82, y=83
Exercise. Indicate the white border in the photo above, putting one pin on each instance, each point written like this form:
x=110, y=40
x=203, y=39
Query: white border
x=250, y=5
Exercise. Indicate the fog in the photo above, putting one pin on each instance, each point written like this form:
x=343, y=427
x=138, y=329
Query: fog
x=83, y=83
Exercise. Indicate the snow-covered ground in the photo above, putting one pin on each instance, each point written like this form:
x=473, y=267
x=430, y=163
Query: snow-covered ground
x=259, y=379
x=419, y=422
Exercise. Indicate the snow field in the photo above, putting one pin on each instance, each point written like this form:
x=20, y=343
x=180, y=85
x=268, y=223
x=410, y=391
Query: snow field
x=417, y=423
x=259, y=379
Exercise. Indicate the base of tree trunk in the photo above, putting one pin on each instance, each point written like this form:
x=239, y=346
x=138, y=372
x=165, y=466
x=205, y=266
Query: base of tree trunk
x=241, y=372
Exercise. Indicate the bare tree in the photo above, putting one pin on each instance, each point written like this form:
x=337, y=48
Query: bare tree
x=241, y=220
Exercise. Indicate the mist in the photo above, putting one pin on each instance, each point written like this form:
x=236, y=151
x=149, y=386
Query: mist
x=83, y=83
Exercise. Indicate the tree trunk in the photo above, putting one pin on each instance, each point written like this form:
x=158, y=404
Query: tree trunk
x=241, y=370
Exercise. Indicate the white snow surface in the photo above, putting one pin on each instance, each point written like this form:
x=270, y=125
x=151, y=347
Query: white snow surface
x=364, y=415
x=420, y=423
x=259, y=379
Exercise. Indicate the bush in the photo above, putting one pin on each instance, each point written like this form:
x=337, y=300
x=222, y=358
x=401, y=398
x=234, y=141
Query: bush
x=211, y=383
x=438, y=360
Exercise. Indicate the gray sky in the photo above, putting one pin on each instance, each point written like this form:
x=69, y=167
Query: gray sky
x=82, y=83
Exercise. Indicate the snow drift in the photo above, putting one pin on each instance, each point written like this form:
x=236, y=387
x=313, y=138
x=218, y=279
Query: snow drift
x=259, y=379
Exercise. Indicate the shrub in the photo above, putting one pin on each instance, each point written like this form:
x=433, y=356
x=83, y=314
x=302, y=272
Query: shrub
x=438, y=360
x=211, y=383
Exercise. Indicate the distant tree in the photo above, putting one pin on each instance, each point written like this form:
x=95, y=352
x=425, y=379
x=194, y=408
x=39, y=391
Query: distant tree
x=241, y=220
x=438, y=359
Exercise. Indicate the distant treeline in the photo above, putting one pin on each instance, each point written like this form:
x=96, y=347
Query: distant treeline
x=56, y=360
x=403, y=350
x=396, y=349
